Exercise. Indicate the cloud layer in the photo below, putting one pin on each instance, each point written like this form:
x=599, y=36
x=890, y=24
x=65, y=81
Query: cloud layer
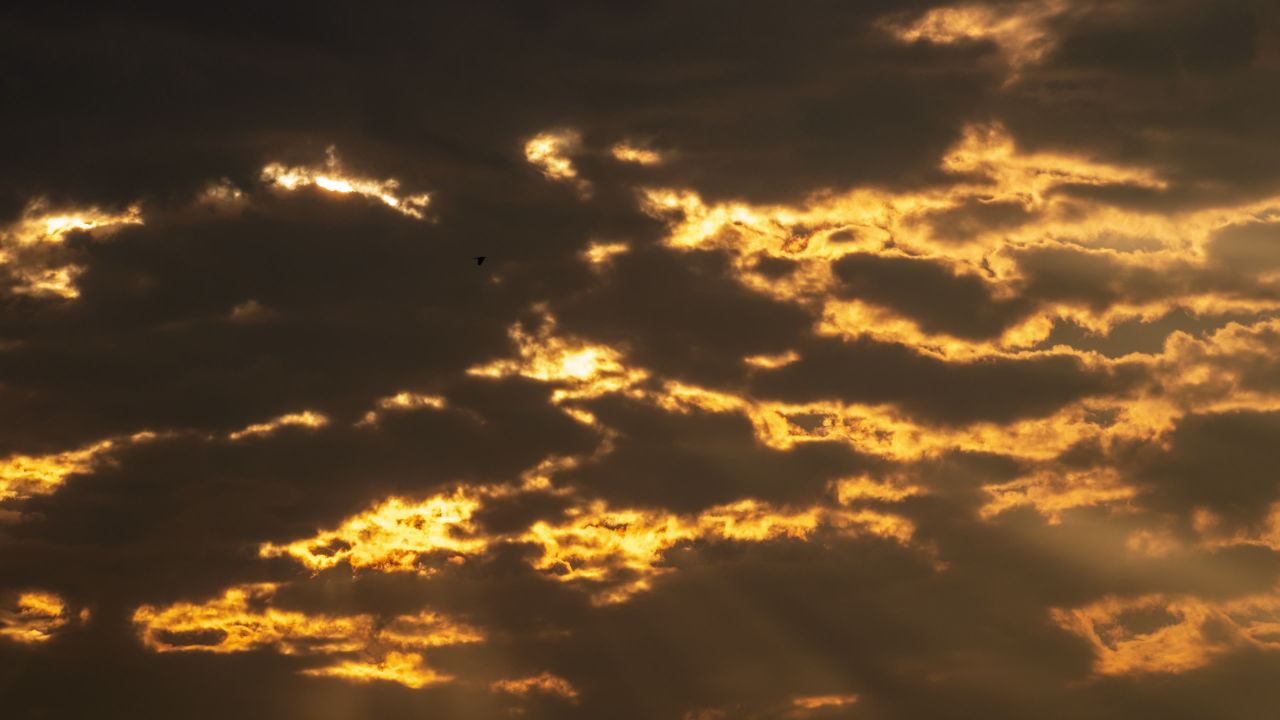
x=878, y=360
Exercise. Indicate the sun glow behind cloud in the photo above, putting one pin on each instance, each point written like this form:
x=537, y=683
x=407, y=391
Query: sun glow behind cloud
x=552, y=153
x=305, y=419
x=403, y=401
x=333, y=177
x=32, y=247
x=629, y=153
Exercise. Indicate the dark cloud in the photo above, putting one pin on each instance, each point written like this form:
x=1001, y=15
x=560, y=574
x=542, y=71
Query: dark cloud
x=683, y=315
x=358, y=302
x=999, y=390
x=1217, y=462
x=973, y=218
x=692, y=461
x=1099, y=280
x=1253, y=248
x=237, y=87
x=939, y=300
x=187, y=514
x=1178, y=86
x=1139, y=336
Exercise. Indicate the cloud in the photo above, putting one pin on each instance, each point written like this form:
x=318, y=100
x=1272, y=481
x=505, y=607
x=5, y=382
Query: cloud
x=613, y=551
x=1017, y=29
x=242, y=620
x=550, y=152
x=332, y=177
x=36, y=258
x=930, y=294
x=35, y=617
x=542, y=683
x=1158, y=634
x=999, y=390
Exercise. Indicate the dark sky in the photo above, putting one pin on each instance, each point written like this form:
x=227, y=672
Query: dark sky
x=871, y=360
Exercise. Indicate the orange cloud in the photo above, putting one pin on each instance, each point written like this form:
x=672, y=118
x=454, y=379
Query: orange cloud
x=552, y=153
x=612, y=552
x=332, y=177
x=1019, y=29
x=29, y=246
x=991, y=172
x=628, y=152
x=395, y=535
x=1173, y=633
x=24, y=476
x=1053, y=492
x=402, y=402
x=807, y=705
x=542, y=683
x=366, y=647
x=582, y=369
x=34, y=617
x=305, y=418
x=600, y=254
x=407, y=669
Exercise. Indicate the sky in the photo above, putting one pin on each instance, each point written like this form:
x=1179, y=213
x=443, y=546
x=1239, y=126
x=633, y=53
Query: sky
x=877, y=360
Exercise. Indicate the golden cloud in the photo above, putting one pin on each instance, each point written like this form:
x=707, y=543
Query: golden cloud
x=1191, y=375
x=305, y=418
x=611, y=552
x=395, y=535
x=34, y=617
x=806, y=705
x=407, y=669
x=402, y=402
x=597, y=544
x=582, y=369
x=1052, y=492
x=24, y=476
x=1174, y=633
x=29, y=246
x=991, y=171
x=542, y=683
x=632, y=153
x=552, y=152
x=243, y=619
x=332, y=177
x=41, y=225
x=599, y=254
x=1019, y=29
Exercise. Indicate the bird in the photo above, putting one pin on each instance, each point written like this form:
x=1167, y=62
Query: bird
x=480, y=260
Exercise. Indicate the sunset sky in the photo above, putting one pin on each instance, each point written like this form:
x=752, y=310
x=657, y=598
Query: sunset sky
x=880, y=360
